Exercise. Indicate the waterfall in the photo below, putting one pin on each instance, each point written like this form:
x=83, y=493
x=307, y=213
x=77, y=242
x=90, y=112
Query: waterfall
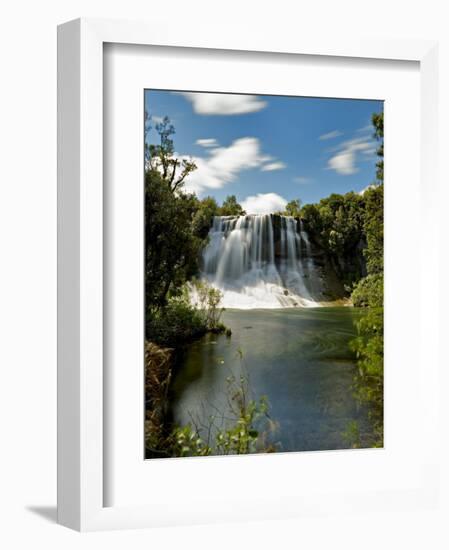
x=261, y=261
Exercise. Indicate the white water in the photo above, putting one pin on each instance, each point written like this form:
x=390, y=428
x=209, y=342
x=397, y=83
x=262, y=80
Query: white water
x=255, y=266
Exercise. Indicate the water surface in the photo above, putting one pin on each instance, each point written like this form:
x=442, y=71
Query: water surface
x=298, y=358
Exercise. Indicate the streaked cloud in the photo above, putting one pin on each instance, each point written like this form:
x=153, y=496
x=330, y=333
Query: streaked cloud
x=207, y=142
x=366, y=129
x=344, y=161
x=222, y=165
x=264, y=203
x=223, y=104
x=331, y=135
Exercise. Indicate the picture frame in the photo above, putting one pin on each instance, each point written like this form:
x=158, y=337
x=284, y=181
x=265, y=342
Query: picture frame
x=82, y=392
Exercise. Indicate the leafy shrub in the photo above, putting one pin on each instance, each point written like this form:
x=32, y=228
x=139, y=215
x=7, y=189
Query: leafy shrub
x=374, y=228
x=369, y=379
x=178, y=322
x=243, y=427
x=207, y=300
x=231, y=207
x=242, y=434
x=369, y=291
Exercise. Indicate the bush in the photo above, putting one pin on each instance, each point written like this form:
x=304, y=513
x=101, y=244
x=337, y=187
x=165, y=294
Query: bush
x=245, y=432
x=175, y=324
x=369, y=291
x=207, y=300
x=369, y=379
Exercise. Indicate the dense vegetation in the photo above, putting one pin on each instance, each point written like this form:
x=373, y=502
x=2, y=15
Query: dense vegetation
x=176, y=229
x=348, y=228
x=339, y=225
x=369, y=345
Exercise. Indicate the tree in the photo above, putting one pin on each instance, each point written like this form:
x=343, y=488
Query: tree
x=293, y=208
x=202, y=220
x=369, y=345
x=378, y=123
x=171, y=248
x=368, y=381
x=336, y=225
x=231, y=207
x=160, y=157
x=374, y=229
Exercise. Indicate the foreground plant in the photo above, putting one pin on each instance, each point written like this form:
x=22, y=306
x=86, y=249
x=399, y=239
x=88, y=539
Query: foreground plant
x=243, y=426
x=244, y=432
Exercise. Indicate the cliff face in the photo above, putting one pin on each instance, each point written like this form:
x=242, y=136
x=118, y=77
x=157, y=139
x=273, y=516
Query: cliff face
x=342, y=269
x=271, y=260
x=336, y=272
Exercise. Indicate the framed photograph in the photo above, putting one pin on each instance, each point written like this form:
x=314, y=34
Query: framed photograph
x=241, y=317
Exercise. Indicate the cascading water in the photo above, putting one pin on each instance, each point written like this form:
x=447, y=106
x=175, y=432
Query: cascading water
x=261, y=261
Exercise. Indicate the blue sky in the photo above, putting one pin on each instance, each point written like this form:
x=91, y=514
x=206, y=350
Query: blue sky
x=267, y=150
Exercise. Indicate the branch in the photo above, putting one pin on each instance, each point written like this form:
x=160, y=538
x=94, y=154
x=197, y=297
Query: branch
x=175, y=165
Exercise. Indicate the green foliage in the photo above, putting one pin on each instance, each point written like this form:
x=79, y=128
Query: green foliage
x=352, y=435
x=378, y=123
x=336, y=224
x=369, y=379
x=231, y=207
x=207, y=208
x=185, y=441
x=172, y=250
x=160, y=157
x=176, y=228
x=293, y=208
x=369, y=291
x=175, y=324
x=208, y=300
x=337, y=221
x=243, y=427
x=374, y=229
x=350, y=227
x=369, y=344
x=241, y=435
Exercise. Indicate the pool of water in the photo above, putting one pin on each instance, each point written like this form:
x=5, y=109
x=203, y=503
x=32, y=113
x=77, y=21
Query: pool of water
x=298, y=358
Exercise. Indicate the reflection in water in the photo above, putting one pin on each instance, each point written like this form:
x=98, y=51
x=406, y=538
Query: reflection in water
x=298, y=358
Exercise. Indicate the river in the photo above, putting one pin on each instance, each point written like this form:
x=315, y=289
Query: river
x=298, y=357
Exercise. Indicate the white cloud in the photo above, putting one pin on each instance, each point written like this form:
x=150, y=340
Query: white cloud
x=344, y=161
x=264, y=203
x=223, y=164
x=223, y=104
x=370, y=152
x=207, y=142
x=331, y=135
x=278, y=165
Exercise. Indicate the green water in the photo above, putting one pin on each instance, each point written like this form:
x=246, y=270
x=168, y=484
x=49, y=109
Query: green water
x=298, y=358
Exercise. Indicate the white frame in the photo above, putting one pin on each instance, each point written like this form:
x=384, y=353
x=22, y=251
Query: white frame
x=80, y=240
